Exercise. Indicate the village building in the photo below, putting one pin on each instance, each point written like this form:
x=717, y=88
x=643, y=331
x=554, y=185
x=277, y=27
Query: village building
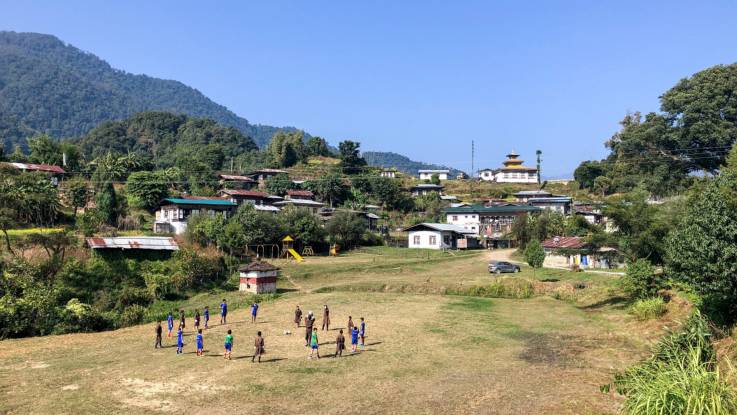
x=492, y=224
x=307, y=204
x=300, y=194
x=560, y=204
x=486, y=175
x=258, y=277
x=261, y=175
x=55, y=173
x=240, y=196
x=461, y=176
x=525, y=195
x=427, y=174
x=162, y=244
x=389, y=173
x=449, y=198
x=574, y=252
x=512, y=172
x=174, y=212
x=439, y=236
x=423, y=189
x=235, y=181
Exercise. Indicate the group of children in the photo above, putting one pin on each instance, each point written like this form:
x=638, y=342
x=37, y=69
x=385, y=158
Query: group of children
x=199, y=338
x=311, y=337
x=356, y=332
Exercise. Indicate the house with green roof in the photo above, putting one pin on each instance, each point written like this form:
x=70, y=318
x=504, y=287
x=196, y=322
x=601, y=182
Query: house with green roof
x=492, y=224
x=174, y=212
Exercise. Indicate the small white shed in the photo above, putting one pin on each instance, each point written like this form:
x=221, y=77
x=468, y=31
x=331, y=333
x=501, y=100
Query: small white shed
x=437, y=236
x=258, y=277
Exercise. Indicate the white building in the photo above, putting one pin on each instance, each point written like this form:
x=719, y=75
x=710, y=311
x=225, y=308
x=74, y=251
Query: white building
x=427, y=174
x=437, y=236
x=560, y=204
x=512, y=172
x=389, y=173
x=174, y=212
x=425, y=189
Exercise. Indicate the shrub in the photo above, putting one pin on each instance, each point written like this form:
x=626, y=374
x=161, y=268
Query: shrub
x=648, y=308
x=132, y=315
x=534, y=254
x=640, y=280
x=682, y=377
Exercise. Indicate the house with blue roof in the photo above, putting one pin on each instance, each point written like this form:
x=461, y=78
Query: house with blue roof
x=174, y=212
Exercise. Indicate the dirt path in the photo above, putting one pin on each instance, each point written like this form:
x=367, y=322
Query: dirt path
x=501, y=255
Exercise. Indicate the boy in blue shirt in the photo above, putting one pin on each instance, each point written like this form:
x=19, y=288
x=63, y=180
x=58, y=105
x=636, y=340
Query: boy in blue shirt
x=223, y=312
x=207, y=316
x=254, y=312
x=180, y=340
x=354, y=339
x=169, y=324
x=200, y=343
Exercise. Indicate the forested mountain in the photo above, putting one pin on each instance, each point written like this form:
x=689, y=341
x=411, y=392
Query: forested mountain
x=47, y=86
x=401, y=163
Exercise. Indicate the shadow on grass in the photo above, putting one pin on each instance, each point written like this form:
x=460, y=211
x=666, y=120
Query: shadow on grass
x=285, y=290
x=617, y=302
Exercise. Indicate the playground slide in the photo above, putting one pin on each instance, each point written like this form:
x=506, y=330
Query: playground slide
x=296, y=256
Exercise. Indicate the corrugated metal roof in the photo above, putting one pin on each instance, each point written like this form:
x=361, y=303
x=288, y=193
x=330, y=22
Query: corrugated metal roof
x=236, y=178
x=257, y=266
x=570, y=242
x=303, y=202
x=266, y=208
x=443, y=227
x=532, y=193
x=433, y=171
x=303, y=193
x=200, y=201
x=39, y=167
x=248, y=193
x=493, y=209
x=555, y=199
x=157, y=243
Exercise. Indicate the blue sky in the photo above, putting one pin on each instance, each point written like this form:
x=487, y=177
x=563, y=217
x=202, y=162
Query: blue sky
x=420, y=78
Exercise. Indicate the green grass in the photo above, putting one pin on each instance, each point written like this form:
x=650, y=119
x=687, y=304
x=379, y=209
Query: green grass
x=28, y=231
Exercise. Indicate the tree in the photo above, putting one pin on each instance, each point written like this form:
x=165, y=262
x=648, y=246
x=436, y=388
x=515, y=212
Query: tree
x=329, y=188
x=279, y=184
x=259, y=227
x=77, y=193
x=350, y=156
x=702, y=249
x=640, y=280
x=534, y=254
x=435, y=179
x=602, y=184
x=108, y=204
x=302, y=225
x=587, y=172
x=345, y=229
x=146, y=189
x=287, y=148
x=317, y=146
x=389, y=193
x=7, y=221
x=357, y=200
x=44, y=150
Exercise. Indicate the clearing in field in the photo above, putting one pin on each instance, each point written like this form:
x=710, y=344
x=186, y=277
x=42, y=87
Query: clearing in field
x=426, y=351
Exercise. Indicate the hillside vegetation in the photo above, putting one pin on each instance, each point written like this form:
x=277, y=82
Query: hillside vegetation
x=47, y=86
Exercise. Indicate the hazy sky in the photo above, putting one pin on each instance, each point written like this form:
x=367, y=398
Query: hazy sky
x=421, y=78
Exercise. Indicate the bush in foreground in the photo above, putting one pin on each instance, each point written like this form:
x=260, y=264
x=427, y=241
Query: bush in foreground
x=648, y=308
x=682, y=377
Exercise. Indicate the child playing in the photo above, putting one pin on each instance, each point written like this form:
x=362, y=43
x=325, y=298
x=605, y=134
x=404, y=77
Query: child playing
x=354, y=339
x=363, y=332
x=254, y=312
x=180, y=339
x=182, y=323
x=350, y=324
x=170, y=324
x=223, y=312
x=207, y=316
x=339, y=344
x=200, y=343
x=158, y=335
x=314, y=344
x=297, y=316
x=259, y=346
x=228, y=345
x=196, y=320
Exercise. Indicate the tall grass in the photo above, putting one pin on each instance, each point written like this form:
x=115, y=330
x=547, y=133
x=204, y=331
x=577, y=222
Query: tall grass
x=648, y=308
x=510, y=287
x=682, y=377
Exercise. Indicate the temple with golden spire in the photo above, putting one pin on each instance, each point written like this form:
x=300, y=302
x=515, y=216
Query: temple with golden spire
x=514, y=171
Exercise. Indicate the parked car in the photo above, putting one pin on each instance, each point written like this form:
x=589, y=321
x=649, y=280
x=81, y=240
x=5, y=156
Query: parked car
x=497, y=267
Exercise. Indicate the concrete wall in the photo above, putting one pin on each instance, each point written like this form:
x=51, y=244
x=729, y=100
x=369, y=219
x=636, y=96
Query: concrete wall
x=424, y=239
x=469, y=221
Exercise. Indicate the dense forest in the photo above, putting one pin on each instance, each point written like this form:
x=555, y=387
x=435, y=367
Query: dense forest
x=47, y=86
x=401, y=163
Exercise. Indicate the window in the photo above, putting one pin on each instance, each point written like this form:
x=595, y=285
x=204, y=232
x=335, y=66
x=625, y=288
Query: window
x=416, y=240
x=433, y=239
x=446, y=240
x=455, y=217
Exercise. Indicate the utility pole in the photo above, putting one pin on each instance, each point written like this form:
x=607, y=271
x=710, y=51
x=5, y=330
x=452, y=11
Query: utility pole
x=472, y=155
x=231, y=165
x=539, y=170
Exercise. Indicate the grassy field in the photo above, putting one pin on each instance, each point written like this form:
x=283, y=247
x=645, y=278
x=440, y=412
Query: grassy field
x=426, y=352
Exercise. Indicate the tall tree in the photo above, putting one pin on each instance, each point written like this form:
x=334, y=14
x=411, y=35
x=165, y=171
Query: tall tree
x=77, y=193
x=317, y=146
x=287, y=148
x=329, y=188
x=350, y=156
